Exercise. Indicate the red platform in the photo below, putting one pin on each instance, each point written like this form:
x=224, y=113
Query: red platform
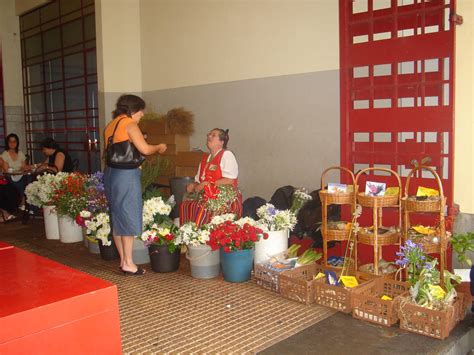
x=4, y=245
x=46, y=307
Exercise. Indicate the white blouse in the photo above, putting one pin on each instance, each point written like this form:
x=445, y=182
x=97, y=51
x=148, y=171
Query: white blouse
x=229, y=166
x=14, y=164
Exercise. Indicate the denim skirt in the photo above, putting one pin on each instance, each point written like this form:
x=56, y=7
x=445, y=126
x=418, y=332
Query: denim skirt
x=124, y=195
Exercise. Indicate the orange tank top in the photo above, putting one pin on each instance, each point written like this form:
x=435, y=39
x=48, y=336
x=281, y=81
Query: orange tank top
x=121, y=134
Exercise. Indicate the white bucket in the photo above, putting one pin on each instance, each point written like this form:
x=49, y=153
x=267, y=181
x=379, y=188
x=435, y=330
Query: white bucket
x=69, y=230
x=276, y=243
x=140, y=253
x=94, y=247
x=51, y=224
x=84, y=238
x=205, y=263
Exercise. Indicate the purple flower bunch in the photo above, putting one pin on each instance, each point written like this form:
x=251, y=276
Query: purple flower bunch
x=96, y=200
x=411, y=256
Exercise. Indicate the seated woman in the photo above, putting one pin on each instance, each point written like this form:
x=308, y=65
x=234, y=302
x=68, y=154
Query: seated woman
x=215, y=186
x=56, y=159
x=8, y=199
x=14, y=160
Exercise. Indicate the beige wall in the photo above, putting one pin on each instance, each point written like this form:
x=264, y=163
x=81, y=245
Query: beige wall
x=11, y=54
x=23, y=6
x=464, y=114
x=188, y=42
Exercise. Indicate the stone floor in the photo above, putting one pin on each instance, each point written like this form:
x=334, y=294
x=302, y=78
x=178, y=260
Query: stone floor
x=339, y=333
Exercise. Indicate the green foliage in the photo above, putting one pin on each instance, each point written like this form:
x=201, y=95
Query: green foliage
x=463, y=243
x=152, y=168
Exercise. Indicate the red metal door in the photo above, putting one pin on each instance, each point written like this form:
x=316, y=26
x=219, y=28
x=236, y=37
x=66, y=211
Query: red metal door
x=397, y=87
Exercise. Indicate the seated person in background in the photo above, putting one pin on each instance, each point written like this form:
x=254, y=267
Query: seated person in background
x=216, y=177
x=14, y=160
x=8, y=199
x=56, y=159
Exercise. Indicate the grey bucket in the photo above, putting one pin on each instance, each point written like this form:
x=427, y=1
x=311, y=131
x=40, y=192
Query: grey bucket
x=93, y=247
x=178, y=189
x=140, y=253
x=205, y=263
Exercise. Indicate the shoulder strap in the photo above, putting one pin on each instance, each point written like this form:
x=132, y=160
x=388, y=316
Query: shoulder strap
x=111, y=138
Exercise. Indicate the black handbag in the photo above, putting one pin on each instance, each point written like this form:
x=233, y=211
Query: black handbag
x=123, y=155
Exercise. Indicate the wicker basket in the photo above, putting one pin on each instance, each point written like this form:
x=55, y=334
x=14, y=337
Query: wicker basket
x=297, y=284
x=428, y=248
x=421, y=206
x=340, y=198
x=379, y=201
x=368, y=305
x=337, y=234
x=335, y=297
x=382, y=239
x=429, y=322
x=267, y=277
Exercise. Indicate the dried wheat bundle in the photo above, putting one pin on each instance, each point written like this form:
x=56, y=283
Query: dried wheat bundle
x=180, y=121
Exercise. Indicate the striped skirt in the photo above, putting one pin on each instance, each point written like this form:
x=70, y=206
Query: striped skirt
x=194, y=211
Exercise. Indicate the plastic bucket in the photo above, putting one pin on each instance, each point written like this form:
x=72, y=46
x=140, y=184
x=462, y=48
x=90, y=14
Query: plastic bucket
x=162, y=260
x=93, y=247
x=140, y=253
x=178, y=189
x=69, y=230
x=276, y=243
x=109, y=252
x=205, y=263
x=237, y=265
x=51, y=223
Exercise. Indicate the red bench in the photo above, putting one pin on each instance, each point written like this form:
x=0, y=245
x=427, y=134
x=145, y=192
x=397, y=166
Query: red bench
x=46, y=307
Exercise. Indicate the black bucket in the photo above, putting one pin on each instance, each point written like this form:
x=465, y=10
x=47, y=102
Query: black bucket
x=162, y=260
x=108, y=253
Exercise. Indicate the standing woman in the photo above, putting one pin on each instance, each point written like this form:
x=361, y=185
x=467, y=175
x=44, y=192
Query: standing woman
x=15, y=160
x=122, y=186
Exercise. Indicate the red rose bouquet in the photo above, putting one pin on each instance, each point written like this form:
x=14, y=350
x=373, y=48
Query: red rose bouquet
x=232, y=236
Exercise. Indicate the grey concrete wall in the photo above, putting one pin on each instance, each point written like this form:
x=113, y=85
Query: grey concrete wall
x=284, y=130
x=15, y=121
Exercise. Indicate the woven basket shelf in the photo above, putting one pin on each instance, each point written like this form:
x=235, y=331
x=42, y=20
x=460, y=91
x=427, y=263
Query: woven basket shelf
x=377, y=201
x=382, y=239
x=337, y=198
x=337, y=234
x=421, y=206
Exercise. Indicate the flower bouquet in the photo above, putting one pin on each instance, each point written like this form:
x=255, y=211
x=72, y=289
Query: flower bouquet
x=216, y=198
x=277, y=224
x=160, y=234
x=236, y=241
x=299, y=199
x=70, y=196
x=40, y=193
x=98, y=227
x=204, y=262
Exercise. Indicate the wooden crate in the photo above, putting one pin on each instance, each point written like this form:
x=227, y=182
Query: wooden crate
x=297, y=284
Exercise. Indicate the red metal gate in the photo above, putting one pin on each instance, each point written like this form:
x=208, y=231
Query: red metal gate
x=397, y=87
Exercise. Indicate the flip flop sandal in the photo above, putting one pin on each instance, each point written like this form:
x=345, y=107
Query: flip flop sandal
x=139, y=272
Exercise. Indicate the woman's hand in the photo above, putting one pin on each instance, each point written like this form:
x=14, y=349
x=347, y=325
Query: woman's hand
x=201, y=186
x=161, y=148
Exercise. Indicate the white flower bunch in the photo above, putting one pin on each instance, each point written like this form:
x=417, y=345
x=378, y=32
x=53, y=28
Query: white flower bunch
x=154, y=233
x=40, y=192
x=272, y=219
x=250, y=221
x=216, y=220
x=85, y=214
x=299, y=199
x=191, y=234
x=99, y=228
x=156, y=206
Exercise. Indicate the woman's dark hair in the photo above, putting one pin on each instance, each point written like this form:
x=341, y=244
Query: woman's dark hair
x=7, y=138
x=128, y=105
x=49, y=143
x=223, y=136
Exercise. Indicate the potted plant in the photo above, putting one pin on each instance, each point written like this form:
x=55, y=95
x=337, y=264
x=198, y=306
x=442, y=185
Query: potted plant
x=40, y=194
x=98, y=228
x=160, y=235
x=204, y=262
x=236, y=241
x=463, y=246
x=277, y=224
x=70, y=198
x=96, y=203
